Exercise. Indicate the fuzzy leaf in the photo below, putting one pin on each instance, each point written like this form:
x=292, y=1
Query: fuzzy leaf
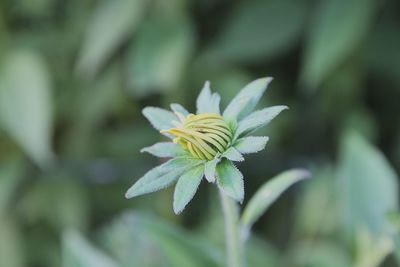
x=268, y=193
x=179, y=108
x=257, y=119
x=246, y=100
x=208, y=102
x=233, y=155
x=165, y=150
x=209, y=169
x=160, y=177
x=251, y=144
x=161, y=119
x=230, y=179
x=204, y=98
x=186, y=187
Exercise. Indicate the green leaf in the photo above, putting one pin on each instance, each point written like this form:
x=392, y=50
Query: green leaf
x=209, y=169
x=78, y=252
x=12, y=243
x=165, y=150
x=331, y=40
x=230, y=179
x=161, y=176
x=251, y=144
x=367, y=186
x=110, y=25
x=233, y=155
x=237, y=43
x=158, y=58
x=246, y=100
x=10, y=177
x=267, y=195
x=179, y=108
x=208, y=102
x=186, y=187
x=161, y=119
x=26, y=104
x=257, y=119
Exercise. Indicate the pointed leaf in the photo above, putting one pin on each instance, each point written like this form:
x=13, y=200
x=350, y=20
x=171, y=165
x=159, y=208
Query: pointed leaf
x=179, y=108
x=26, y=104
x=204, y=98
x=246, y=100
x=214, y=103
x=160, y=177
x=230, y=179
x=268, y=193
x=233, y=155
x=165, y=150
x=367, y=186
x=258, y=119
x=251, y=144
x=209, y=169
x=186, y=187
x=161, y=119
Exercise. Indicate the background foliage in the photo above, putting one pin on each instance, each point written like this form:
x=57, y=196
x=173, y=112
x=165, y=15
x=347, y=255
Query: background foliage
x=74, y=76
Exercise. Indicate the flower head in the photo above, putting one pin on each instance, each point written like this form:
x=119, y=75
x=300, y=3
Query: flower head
x=206, y=144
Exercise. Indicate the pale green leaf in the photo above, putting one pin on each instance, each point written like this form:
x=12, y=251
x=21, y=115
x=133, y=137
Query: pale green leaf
x=111, y=23
x=204, y=98
x=233, y=155
x=230, y=180
x=79, y=252
x=268, y=193
x=26, y=104
x=209, y=169
x=179, y=108
x=331, y=40
x=246, y=100
x=251, y=144
x=264, y=41
x=161, y=119
x=186, y=187
x=165, y=150
x=158, y=58
x=12, y=243
x=368, y=186
x=257, y=119
x=161, y=176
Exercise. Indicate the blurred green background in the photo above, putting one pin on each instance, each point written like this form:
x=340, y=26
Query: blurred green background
x=74, y=76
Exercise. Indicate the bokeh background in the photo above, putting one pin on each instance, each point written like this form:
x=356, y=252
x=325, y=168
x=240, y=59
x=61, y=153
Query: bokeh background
x=74, y=76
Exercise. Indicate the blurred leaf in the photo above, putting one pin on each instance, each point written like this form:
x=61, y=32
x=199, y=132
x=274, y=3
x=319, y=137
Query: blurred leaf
x=59, y=201
x=319, y=254
x=371, y=251
x=251, y=32
x=157, y=60
x=10, y=177
x=230, y=180
x=338, y=28
x=182, y=249
x=25, y=104
x=111, y=23
x=11, y=244
x=261, y=253
x=368, y=187
x=78, y=252
x=267, y=195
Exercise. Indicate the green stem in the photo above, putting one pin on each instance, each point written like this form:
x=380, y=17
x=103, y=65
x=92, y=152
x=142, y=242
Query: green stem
x=232, y=239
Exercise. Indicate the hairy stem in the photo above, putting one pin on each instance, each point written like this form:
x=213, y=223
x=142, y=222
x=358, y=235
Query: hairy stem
x=232, y=237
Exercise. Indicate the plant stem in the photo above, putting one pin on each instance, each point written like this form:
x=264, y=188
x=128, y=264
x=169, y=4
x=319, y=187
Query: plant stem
x=232, y=239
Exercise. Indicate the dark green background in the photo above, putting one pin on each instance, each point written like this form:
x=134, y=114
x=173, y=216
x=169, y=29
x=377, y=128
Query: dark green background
x=74, y=76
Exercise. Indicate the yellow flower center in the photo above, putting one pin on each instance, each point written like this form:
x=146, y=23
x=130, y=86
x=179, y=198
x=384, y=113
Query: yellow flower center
x=203, y=135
